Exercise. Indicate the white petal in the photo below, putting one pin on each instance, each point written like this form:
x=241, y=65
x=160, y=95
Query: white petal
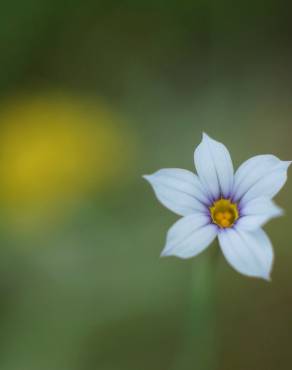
x=257, y=212
x=189, y=236
x=179, y=190
x=263, y=175
x=250, y=253
x=214, y=167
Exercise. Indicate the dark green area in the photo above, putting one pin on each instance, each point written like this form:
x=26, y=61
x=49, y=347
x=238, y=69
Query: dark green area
x=92, y=294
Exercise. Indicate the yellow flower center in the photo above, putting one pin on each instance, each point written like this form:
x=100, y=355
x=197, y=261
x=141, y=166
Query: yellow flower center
x=224, y=213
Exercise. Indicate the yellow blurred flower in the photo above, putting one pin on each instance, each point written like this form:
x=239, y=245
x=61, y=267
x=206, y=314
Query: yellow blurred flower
x=54, y=150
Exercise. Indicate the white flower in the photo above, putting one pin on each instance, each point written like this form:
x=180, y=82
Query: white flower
x=219, y=203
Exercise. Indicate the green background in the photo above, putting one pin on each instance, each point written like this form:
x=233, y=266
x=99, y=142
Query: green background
x=91, y=293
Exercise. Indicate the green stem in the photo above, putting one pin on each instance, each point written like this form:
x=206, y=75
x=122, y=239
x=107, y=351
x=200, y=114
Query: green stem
x=199, y=347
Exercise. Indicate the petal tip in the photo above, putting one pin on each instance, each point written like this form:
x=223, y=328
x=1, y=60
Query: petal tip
x=266, y=275
x=285, y=164
x=277, y=211
x=205, y=136
x=147, y=177
x=164, y=253
x=267, y=278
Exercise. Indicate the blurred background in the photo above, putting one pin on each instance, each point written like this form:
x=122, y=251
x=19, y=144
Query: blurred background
x=94, y=94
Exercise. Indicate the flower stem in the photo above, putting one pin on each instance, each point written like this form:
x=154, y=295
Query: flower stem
x=199, y=347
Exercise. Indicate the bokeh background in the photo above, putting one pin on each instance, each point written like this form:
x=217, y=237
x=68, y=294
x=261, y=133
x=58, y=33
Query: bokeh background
x=93, y=94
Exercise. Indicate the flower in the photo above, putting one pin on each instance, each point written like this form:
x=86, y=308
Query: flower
x=219, y=203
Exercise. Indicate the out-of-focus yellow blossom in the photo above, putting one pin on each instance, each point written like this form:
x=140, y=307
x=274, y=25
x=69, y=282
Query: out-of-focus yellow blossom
x=54, y=150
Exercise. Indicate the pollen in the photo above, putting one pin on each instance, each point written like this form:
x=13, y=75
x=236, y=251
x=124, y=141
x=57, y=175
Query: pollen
x=224, y=213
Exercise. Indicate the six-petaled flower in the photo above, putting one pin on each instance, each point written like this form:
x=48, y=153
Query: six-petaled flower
x=219, y=203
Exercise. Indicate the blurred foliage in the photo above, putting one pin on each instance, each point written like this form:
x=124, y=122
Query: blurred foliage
x=55, y=149
x=93, y=95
